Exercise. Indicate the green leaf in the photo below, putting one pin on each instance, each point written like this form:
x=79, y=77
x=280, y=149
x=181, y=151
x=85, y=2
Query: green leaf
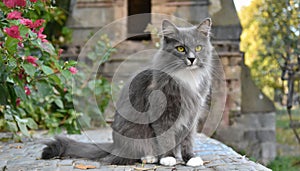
x=55, y=78
x=12, y=126
x=48, y=47
x=29, y=69
x=92, y=56
x=3, y=69
x=58, y=115
x=20, y=92
x=32, y=35
x=8, y=116
x=31, y=123
x=37, y=43
x=22, y=125
x=4, y=96
x=91, y=85
x=84, y=121
x=47, y=70
x=70, y=63
x=67, y=74
x=24, y=30
x=23, y=128
x=11, y=92
x=12, y=64
x=11, y=44
x=44, y=88
x=59, y=103
x=18, y=119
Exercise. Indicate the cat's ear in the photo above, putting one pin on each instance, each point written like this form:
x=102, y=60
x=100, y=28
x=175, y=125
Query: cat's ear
x=168, y=28
x=205, y=26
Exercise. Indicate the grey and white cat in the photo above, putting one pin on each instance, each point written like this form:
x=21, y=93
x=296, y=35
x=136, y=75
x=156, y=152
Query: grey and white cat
x=158, y=110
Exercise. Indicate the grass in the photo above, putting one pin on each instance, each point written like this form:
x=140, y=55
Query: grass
x=285, y=135
x=285, y=163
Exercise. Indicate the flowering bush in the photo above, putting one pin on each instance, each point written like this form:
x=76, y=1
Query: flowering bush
x=34, y=83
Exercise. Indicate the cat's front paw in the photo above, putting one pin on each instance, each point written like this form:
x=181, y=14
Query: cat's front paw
x=167, y=161
x=149, y=159
x=195, y=161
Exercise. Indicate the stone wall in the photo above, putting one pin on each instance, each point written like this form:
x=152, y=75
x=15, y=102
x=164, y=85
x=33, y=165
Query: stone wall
x=252, y=130
x=231, y=58
x=88, y=16
x=252, y=134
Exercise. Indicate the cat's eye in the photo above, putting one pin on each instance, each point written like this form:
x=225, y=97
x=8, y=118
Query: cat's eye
x=198, y=48
x=180, y=48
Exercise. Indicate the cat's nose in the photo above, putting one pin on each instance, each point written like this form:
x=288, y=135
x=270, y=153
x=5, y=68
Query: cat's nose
x=191, y=59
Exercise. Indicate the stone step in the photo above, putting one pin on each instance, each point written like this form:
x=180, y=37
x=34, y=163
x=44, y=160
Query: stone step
x=25, y=156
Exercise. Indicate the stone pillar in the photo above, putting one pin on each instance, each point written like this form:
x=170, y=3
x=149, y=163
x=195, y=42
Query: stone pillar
x=249, y=118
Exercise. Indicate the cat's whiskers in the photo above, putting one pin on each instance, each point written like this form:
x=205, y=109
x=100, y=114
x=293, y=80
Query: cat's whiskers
x=214, y=72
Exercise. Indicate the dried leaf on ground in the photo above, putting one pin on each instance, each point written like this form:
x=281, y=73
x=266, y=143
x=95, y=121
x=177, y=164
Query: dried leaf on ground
x=84, y=167
x=144, y=169
x=15, y=146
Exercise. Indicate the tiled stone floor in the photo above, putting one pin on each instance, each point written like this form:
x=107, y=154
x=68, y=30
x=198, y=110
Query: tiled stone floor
x=25, y=157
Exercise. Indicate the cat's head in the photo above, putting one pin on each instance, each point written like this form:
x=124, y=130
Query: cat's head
x=189, y=47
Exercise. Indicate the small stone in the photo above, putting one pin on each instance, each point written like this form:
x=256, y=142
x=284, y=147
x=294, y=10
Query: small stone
x=66, y=162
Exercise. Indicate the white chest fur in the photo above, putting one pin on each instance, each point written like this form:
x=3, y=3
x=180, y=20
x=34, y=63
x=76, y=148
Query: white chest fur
x=191, y=77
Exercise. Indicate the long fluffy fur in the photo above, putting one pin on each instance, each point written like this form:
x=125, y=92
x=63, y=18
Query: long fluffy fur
x=139, y=129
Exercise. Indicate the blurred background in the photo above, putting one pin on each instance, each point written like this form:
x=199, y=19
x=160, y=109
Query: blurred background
x=256, y=40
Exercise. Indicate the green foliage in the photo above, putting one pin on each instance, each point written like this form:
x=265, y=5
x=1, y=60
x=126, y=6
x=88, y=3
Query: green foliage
x=270, y=34
x=56, y=28
x=31, y=81
x=55, y=12
x=89, y=85
x=285, y=135
x=286, y=142
x=35, y=85
x=291, y=163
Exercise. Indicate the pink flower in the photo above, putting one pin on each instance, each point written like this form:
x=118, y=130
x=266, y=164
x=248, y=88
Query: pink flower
x=21, y=3
x=9, y=3
x=32, y=60
x=27, y=90
x=38, y=23
x=14, y=15
x=18, y=100
x=60, y=51
x=20, y=44
x=41, y=35
x=29, y=23
x=13, y=32
x=14, y=3
x=73, y=70
x=21, y=76
x=26, y=22
x=34, y=1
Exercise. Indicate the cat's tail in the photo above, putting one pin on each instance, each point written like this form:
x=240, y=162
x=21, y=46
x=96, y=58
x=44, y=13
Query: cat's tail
x=63, y=147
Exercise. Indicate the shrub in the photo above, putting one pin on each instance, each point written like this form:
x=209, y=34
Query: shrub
x=34, y=83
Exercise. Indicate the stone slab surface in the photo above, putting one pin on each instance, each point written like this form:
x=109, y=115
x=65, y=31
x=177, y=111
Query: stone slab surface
x=26, y=156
